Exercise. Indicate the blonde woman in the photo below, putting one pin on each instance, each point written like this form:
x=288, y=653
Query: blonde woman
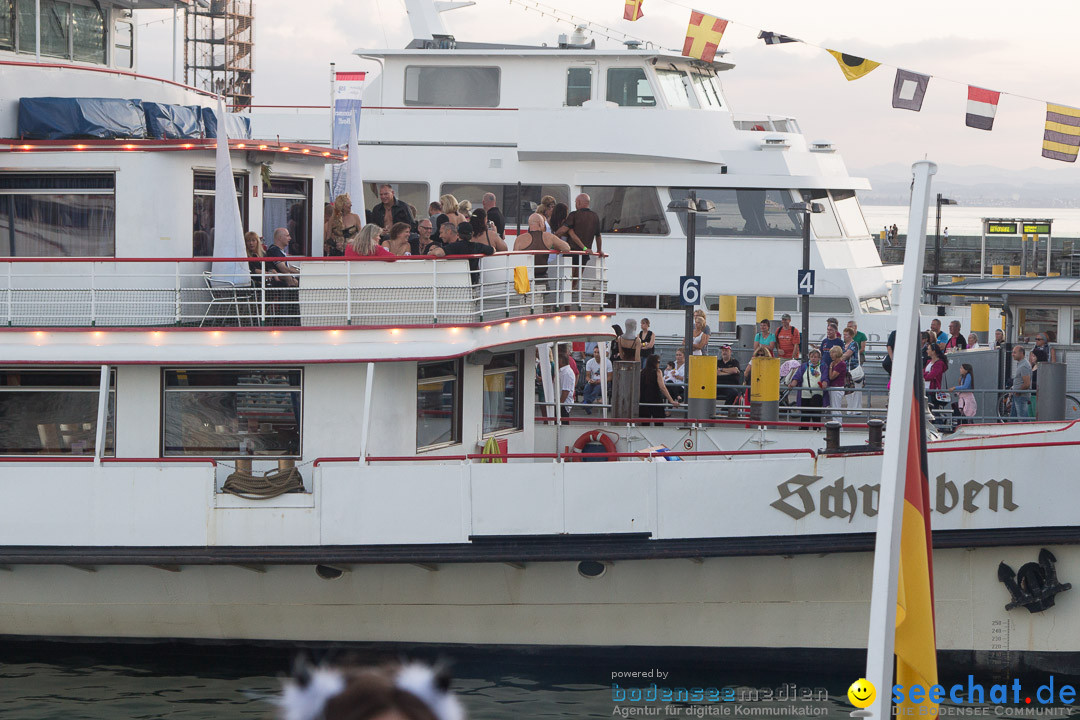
x=465, y=208
x=452, y=209
x=366, y=243
x=255, y=249
x=344, y=225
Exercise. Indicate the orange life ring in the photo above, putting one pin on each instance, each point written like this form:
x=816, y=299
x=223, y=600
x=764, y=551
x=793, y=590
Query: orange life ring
x=593, y=436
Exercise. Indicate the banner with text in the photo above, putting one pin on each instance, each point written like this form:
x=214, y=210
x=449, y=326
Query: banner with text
x=348, y=89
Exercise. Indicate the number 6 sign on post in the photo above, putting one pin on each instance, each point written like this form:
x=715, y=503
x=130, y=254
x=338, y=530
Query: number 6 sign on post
x=689, y=290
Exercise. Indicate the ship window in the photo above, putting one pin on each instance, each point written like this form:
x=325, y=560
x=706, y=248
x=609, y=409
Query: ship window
x=578, y=86
x=287, y=204
x=53, y=412
x=514, y=205
x=748, y=303
x=706, y=87
x=754, y=212
x=57, y=215
x=447, y=86
x=438, y=404
x=123, y=46
x=851, y=215
x=824, y=224
x=54, y=28
x=875, y=304
x=628, y=87
x=502, y=393
x=7, y=24
x=231, y=412
x=628, y=210
x=638, y=302
x=676, y=88
x=411, y=193
x=1033, y=321
x=830, y=305
x=88, y=34
x=202, y=230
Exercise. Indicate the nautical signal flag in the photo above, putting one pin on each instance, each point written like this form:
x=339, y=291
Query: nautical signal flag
x=632, y=11
x=703, y=36
x=1061, y=139
x=981, y=107
x=772, y=38
x=854, y=67
x=909, y=89
x=916, y=644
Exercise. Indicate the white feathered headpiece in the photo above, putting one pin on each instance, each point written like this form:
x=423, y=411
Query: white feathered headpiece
x=306, y=694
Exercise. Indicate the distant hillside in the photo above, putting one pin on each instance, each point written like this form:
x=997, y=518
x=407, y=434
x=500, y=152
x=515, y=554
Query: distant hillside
x=978, y=185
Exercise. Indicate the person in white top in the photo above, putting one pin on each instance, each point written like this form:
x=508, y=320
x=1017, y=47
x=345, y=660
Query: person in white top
x=566, y=384
x=593, y=377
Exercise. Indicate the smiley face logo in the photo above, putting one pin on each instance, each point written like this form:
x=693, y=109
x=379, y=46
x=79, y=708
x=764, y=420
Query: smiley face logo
x=861, y=693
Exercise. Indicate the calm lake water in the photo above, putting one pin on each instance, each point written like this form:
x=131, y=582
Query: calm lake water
x=968, y=220
x=40, y=681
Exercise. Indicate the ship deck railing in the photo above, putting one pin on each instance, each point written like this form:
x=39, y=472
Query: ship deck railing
x=332, y=292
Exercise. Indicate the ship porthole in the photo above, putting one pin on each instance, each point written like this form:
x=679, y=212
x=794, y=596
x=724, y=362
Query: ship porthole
x=328, y=572
x=591, y=569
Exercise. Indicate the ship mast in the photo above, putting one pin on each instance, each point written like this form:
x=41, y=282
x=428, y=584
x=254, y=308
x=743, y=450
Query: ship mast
x=425, y=19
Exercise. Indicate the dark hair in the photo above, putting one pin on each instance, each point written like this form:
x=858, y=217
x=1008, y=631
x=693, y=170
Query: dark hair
x=398, y=228
x=465, y=231
x=558, y=216
x=652, y=363
x=370, y=693
x=970, y=372
x=938, y=352
x=478, y=221
x=765, y=321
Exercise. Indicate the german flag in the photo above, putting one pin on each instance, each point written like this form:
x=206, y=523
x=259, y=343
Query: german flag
x=632, y=11
x=854, y=67
x=703, y=36
x=916, y=644
x=1061, y=138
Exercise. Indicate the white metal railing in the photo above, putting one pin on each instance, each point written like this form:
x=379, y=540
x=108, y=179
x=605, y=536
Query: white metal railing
x=108, y=292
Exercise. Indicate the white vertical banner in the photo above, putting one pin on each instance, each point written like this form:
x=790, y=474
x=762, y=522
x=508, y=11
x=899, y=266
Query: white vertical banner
x=228, y=227
x=348, y=95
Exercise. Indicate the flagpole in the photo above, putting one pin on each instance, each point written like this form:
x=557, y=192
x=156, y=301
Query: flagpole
x=880, y=644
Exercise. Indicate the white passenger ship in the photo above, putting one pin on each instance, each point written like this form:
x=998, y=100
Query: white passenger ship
x=135, y=388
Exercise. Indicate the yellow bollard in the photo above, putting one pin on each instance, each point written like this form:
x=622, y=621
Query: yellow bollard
x=728, y=307
x=765, y=389
x=998, y=271
x=1014, y=271
x=701, y=387
x=980, y=321
x=766, y=309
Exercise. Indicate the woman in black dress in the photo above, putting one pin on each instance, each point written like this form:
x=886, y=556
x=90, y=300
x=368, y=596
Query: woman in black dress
x=653, y=391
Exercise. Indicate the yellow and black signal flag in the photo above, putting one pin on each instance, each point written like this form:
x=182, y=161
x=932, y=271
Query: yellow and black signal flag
x=1061, y=138
x=632, y=11
x=854, y=67
x=703, y=36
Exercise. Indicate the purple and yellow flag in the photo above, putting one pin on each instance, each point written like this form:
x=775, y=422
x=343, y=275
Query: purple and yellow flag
x=1061, y=138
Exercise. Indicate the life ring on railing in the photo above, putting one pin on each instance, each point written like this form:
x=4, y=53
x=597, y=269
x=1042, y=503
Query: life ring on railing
x=593, y=437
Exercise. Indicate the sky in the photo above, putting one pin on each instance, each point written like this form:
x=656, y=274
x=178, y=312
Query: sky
x=1011, y=47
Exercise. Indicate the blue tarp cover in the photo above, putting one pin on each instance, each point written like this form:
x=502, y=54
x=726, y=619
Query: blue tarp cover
x=173, y=122
x=237, y=127
x=52, y=118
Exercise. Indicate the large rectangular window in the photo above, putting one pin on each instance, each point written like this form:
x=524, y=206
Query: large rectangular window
x=849, y=212
x=448, y=86
x=438, y=404
x=232, y=412
x=741, y=213
x=629, y=87
x=676, y=88
x=516, y=203
x=88, y=34
x=287, y=204
x=415, y=194
x=53, y=412
x=69, y=30
x=1033, y=321
x=57, y=215
x=502, y=393
x=202, y=228
x=578, y=86
x=7, y=24
x=824, y=224
x=628, y=210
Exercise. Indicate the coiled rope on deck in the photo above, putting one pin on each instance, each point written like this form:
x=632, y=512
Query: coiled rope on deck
x=269, y=485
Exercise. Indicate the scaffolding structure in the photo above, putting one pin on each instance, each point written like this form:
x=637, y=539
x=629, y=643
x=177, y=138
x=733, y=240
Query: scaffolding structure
x=219, y=49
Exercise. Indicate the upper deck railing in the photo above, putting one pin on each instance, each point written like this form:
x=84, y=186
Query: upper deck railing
x=147, y=292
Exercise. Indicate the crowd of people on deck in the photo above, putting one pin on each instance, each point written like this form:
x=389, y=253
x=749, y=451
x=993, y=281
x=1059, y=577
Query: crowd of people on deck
x=827, y=384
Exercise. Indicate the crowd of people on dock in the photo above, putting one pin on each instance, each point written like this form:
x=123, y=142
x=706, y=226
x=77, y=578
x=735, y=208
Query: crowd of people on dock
x=827, y=384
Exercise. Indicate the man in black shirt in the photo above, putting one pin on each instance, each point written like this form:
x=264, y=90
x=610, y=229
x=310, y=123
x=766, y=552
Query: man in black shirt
x=281, y=283
x=494, y=214
x=390, y=210
x=463, y=244
x=728, y=372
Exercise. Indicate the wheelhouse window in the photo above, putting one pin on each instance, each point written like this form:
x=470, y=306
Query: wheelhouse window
x=69, y=30
x=743, y=212
x=578, y=86
x=824, y=224
x=447, y=86
x=232, y=412
x=515, y=204
x=7, y=24
x=707, y=90
x=287, y=204
x=411, y=193
x=202, y=229
x=53, y=412
x=438, y=404
x=502, y=393
x=676, y=88
x=123, y=45
x=629, y=87
x=628, y=210
x=875, y=304
x=849, y=212
x=57, y=215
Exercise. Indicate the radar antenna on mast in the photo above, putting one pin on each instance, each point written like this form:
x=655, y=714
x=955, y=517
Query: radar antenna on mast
x=427, y=25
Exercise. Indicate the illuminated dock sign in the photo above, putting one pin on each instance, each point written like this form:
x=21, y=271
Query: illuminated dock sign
x=1037, y=229
x=999, y=228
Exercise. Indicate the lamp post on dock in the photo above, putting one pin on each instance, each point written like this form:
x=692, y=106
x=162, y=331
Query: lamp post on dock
x=691, y=206
x=806, y=207
x=937, y=235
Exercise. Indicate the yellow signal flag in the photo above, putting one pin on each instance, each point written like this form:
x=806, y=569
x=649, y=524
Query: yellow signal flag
x=854, y=67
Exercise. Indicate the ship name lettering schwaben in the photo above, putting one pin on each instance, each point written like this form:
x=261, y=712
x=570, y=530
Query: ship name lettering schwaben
x=842, y=500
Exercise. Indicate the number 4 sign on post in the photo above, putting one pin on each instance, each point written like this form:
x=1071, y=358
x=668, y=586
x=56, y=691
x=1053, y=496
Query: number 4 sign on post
x=806, y=282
